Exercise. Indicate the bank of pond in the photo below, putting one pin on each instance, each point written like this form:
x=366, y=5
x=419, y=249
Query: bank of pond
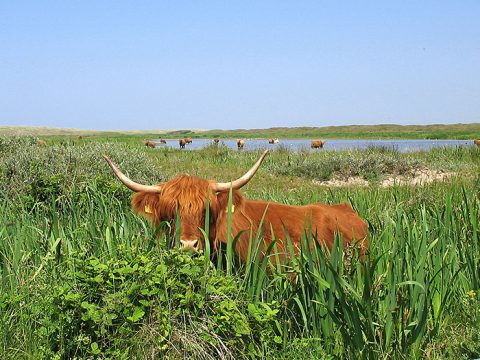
x=401, y=145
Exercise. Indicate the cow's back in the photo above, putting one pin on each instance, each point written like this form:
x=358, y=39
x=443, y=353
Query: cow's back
x=324, y=221
x=343, y=219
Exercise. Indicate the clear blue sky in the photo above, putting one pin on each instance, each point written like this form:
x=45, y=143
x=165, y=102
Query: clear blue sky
x=238, y=64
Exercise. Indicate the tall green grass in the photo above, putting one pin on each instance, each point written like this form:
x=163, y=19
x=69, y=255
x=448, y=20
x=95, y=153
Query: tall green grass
x=422, y=266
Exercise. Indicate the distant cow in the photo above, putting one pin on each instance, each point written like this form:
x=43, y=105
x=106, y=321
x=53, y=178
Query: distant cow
x=186, y=196
x=273, y=141
x=317, y=144
x=150, y=144
x=476, y=142
x=184, y=141
x=216, y=141
x=163, y=141
x=41, y=142
x=240, y=144
x=79, y=137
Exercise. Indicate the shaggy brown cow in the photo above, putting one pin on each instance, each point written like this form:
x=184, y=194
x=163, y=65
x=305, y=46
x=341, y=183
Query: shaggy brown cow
x=163, y=141
x=184, y=141
x=273, y=141
x=150, y=144
x=240, y=144
x=41, y=142
x=476, y=142
x=188, y=194
x=317, y=144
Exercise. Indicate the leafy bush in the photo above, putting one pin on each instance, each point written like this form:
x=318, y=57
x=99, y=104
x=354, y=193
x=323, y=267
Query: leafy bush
x=40, y=174
x=144, y=305
x=371, y=164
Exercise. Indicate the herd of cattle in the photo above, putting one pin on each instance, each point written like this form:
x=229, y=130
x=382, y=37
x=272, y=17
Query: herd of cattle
x=188, y=196
x=240, y=143
x=278, y=222
x=315, y=144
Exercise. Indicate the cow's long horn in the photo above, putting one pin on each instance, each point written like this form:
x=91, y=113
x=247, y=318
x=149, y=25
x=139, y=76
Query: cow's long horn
x=132, y=185
x=237, y=184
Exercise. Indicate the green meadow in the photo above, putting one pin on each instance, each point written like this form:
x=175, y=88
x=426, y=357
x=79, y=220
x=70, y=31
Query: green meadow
x=385, y=131
x=81, y=276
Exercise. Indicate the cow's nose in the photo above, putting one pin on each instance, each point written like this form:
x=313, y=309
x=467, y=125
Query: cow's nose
x=190, y=244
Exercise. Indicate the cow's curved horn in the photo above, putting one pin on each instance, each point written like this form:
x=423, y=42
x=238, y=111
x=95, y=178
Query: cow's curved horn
x=132, y=185
x=237, y=184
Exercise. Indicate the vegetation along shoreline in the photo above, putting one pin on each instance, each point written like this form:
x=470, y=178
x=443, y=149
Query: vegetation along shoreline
x=81, y=275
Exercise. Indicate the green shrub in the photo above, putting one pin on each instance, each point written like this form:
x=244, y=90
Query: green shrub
x=156, y=303
x=54, y=173
x=370, y=164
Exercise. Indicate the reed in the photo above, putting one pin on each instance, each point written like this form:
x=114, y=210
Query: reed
x=422, y=267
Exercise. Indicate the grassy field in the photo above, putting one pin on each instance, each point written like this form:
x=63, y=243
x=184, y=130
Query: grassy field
x=387, y=131
x=81, y=276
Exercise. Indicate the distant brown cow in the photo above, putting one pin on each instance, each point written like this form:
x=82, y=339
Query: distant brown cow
x=163, y=141
x=79, y=137
x=273, y=141
x=240, y=144
x=476, y=142
x=41, y=142
x=317, y=144
x=150, y=144
x=188, y=195
x=184, y=141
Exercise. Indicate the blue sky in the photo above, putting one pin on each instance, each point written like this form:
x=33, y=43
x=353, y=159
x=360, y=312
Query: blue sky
x=238, y=64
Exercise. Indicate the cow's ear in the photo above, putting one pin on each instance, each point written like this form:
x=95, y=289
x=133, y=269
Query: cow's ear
x=222, y=198
x=146, y=204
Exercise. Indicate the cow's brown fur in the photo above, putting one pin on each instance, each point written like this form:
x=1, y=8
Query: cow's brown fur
x=184, y=141
x=42, y=142
x=189, y=194
x=150, y=144
x=317, y=144
x=240, y=144
x=163, y=141
x=476, y=142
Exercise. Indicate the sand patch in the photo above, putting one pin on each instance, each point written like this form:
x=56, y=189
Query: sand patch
x=416, y=177
x=352, y=181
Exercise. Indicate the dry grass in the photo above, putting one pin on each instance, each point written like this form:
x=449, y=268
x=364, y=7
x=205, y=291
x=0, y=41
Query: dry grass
x=381, y=131
x=50, y=131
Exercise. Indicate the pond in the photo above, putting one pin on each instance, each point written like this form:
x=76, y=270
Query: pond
x=331, y=144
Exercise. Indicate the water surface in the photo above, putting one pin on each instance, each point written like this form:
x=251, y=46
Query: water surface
x=331, y=144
